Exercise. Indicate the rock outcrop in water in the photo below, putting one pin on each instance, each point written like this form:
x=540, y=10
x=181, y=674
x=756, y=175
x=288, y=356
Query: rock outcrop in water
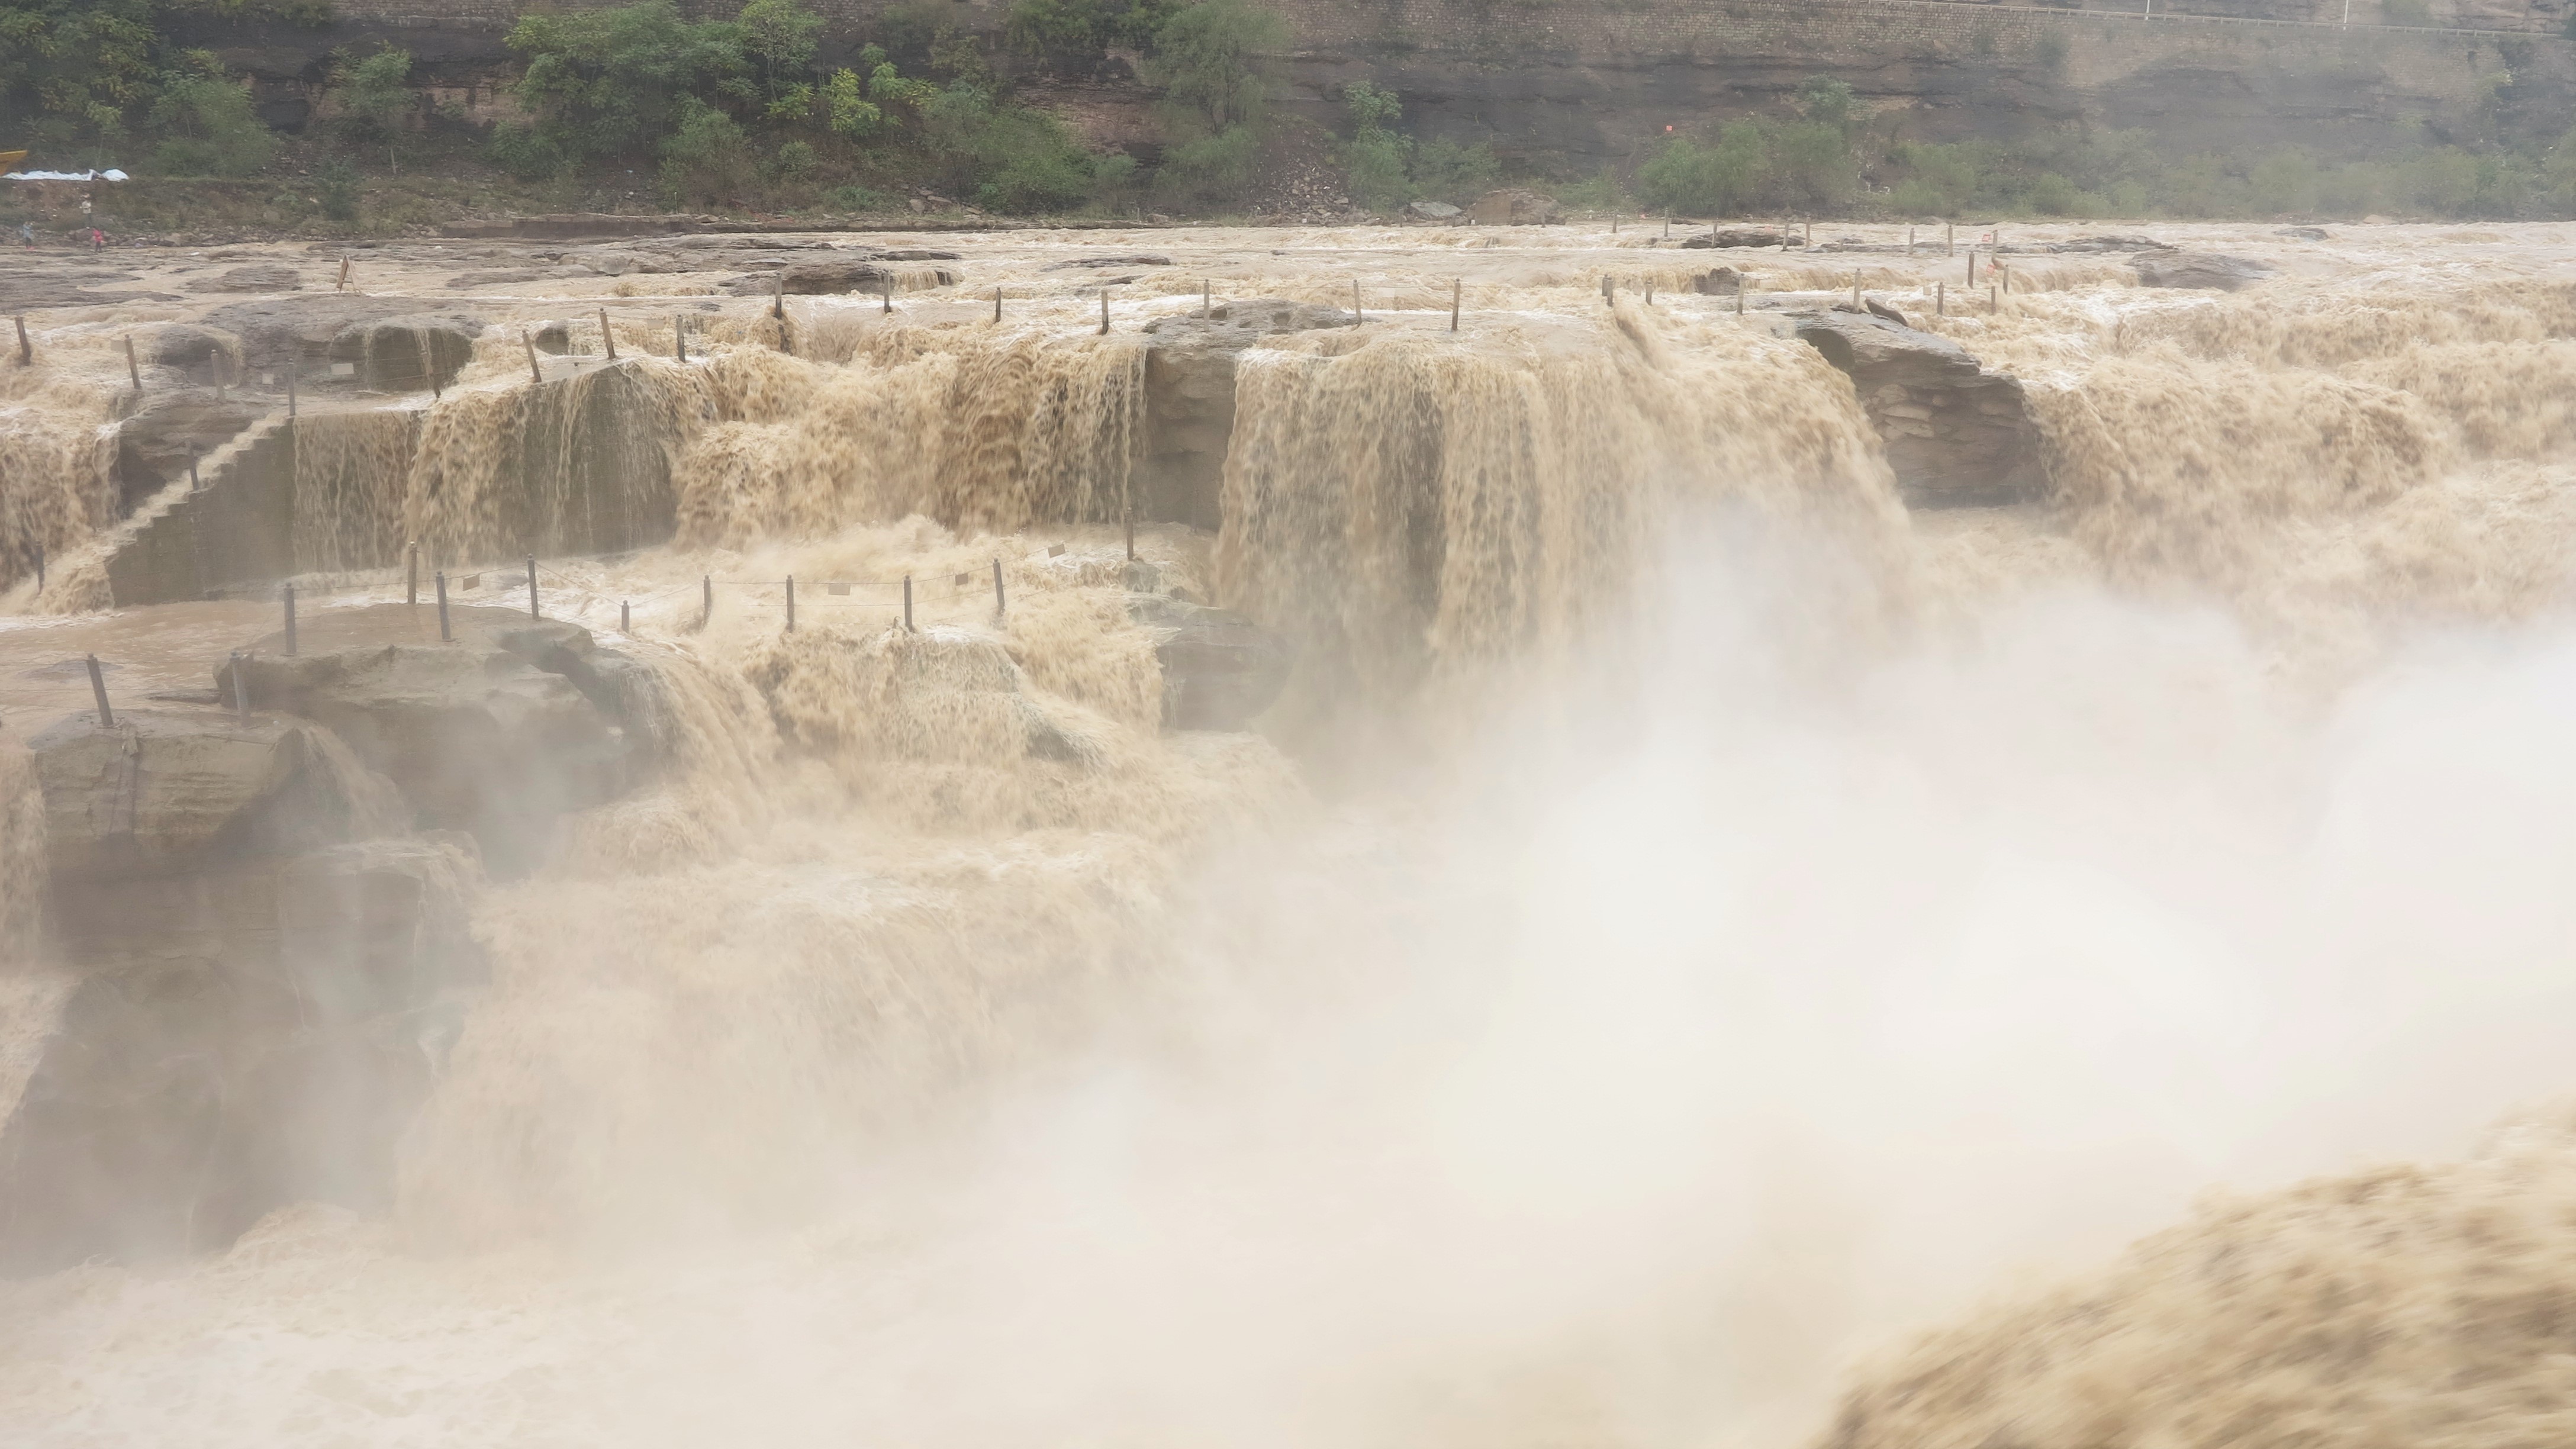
x=406, y=353
x=1735, y=236
x=1189, y=399
x=250, y=999
x=281, y=330
x=1220, y=669
x=1515, y=206
x=256, y=961
x=476, y=736
x=1954, y=433
x=2210, y=271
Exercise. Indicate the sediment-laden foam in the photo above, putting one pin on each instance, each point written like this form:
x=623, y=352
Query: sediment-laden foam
x=2409, y=1303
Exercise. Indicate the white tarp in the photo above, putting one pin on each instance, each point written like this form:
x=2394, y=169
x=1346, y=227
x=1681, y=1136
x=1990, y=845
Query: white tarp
x=111, y=174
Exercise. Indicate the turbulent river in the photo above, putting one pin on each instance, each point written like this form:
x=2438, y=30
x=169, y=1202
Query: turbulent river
x=1702, y=953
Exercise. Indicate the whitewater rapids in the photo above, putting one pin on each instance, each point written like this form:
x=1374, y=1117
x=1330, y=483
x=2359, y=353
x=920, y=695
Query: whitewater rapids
x=1709, y=930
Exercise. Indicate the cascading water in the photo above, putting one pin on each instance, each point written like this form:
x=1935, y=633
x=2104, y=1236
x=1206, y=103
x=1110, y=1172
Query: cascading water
x=1398, y=503
x=1788, y=917
x=57, y=465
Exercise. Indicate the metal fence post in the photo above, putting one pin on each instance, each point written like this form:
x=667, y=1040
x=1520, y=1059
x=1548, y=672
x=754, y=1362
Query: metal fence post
x=98, y=688
x=791, y=603
x=289, y=595
x=1000, y=604
x=532, y=587
x=443, y=635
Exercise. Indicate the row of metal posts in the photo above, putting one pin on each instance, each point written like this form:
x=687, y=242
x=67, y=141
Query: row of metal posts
x=625, y=608
x=707, y=586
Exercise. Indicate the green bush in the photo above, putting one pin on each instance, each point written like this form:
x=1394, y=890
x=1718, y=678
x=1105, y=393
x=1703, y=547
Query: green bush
x=1377, y=160
x=777, y=38
x=2054, y=195
x=1598, y=192
x=1209, y=169
x=853, y=198
x=1446, y=171
x=602, y=83
x=2283, y=183
x=846, y=107
x=78, y=68
x=1938, y=180
x=1722, y=177
x=1210, y=60
x=378, y=96
x=338, y=191
x=525, y=154
x=1751, y=166
x=1824, y=99
x=1016, y=159
x=213, y=130
x=793, y=161
x=704, y=156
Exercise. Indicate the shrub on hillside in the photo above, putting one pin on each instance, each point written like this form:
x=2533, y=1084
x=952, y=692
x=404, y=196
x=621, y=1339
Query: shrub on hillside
x=212, y=128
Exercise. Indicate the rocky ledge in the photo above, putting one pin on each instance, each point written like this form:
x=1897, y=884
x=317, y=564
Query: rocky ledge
x=1955, y=434
x=256, y=945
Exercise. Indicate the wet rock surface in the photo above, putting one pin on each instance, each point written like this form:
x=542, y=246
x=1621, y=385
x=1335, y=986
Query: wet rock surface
x=1515, y=206
x=1955, y=434
x=280, y=331
x=29, y=285
x=477, y=738
x=251, y=985
x=170, y=794
x=1220, y=669
x=1189, y=399
x=192, y=348
x=155, y=443
x=824, y=278
x=408, y=353
x=2208, y=271
x=1131, y=259
x=2085, y=245
x=1720, y=238
x=254, y=955
x=257, y=277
